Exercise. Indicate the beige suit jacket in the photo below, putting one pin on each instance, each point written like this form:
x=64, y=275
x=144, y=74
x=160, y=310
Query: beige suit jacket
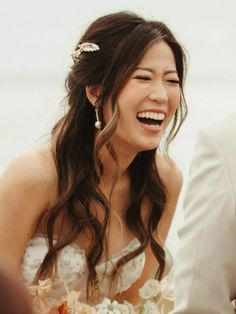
x=205, y=275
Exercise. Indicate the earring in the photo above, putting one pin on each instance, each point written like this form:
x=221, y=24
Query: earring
x=98, y=123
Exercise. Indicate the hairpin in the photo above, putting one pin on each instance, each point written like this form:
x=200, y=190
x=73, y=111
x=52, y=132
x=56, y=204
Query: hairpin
x=84, y=47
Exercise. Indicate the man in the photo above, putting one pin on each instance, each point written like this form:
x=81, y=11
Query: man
x=205, y=275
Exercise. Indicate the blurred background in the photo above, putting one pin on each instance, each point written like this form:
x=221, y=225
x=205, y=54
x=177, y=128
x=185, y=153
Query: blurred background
x=37, y=38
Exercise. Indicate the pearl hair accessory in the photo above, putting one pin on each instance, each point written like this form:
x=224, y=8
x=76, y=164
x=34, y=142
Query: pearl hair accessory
x=98, y=123
x=84, y=47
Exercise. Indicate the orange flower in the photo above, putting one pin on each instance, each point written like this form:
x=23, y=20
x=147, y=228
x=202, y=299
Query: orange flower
x=63, y=309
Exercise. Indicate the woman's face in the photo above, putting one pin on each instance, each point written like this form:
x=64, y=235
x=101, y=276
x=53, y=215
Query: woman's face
x=148, y=101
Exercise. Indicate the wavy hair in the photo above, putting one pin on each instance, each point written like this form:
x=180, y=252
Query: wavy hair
x=123, y=38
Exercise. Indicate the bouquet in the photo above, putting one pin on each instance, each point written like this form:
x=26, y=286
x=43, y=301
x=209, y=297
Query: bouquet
x=156, y=298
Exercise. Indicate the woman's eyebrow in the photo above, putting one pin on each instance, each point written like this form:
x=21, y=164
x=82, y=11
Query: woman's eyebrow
x=153, y=71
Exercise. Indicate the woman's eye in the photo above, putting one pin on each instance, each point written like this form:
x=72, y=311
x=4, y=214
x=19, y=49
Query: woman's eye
x=173, y=81
x=143, y=77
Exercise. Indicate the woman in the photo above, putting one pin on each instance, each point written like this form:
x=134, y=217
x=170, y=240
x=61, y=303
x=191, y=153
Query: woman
x=93, y=208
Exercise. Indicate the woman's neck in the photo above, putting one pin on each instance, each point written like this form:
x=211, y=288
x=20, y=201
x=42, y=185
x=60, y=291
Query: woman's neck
x=115, y=170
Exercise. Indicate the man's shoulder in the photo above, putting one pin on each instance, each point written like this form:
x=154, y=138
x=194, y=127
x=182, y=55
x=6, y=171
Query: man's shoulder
x=223, y=131
x=219, y=141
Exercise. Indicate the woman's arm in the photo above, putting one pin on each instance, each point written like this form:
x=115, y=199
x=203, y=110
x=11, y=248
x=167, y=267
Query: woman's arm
x=24, y=195
x=172, y=179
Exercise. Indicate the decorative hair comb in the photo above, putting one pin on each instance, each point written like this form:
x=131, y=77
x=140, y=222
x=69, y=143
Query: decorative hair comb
x=84, y=47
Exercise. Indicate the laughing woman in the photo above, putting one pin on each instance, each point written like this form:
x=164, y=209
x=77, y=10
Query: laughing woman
x=92, y=208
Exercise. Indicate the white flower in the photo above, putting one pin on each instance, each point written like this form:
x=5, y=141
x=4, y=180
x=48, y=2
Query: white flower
x=72, y=300
x=150, y=307
x=113, y=307
x=41, y=289
x=150, y=289
x=130, y=307
x=167, y=287
x=84, y=309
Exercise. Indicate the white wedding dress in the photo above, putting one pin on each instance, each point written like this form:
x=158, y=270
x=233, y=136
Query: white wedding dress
x=72, y=271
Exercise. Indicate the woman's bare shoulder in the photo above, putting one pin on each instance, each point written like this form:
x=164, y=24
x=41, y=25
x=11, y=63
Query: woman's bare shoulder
x=33, y=164
x=169, y=173
x=33, y=171
x=27, y=187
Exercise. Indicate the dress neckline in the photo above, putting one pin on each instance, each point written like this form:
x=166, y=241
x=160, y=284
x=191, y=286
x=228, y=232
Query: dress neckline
x=132, y=244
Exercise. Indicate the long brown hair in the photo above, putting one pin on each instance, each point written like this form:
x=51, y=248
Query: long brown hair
x=123, y=39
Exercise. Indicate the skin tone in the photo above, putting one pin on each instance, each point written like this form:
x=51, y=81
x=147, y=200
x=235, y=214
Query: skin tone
x=28, y=187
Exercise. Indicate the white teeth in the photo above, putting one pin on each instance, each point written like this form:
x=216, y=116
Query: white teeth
x=151, y=115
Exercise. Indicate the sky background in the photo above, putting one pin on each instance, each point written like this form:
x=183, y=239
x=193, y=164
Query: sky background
x=37, y=38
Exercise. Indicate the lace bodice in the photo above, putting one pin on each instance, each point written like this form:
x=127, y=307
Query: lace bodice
x=72, y=268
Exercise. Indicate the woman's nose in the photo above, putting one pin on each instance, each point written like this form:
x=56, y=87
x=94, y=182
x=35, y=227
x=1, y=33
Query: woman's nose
x=158, y=93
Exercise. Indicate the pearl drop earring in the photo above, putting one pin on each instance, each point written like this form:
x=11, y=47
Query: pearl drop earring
x=98, y=123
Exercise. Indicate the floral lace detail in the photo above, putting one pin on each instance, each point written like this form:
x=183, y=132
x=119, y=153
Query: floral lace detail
x=72, y=269
x=134, y=268
x=71, y=262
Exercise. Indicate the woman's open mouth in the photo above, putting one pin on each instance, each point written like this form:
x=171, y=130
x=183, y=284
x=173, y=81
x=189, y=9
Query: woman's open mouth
x=151, y=118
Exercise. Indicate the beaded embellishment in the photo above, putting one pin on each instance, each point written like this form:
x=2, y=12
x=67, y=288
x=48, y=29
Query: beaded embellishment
x=84, y=47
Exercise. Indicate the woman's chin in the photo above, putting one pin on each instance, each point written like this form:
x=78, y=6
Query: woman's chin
x=150, y=146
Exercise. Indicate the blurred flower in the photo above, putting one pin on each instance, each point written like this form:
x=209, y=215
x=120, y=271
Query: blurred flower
x=41, y=289
x=167, y=286
x=156, y=298
x=150, y=307
x=113, y=307
x=150, y=289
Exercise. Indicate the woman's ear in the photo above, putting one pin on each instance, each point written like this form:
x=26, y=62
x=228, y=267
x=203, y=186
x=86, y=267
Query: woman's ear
x=92, y=93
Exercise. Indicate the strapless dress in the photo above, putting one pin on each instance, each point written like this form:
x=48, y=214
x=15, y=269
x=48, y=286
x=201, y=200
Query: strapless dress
x=72, y=271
